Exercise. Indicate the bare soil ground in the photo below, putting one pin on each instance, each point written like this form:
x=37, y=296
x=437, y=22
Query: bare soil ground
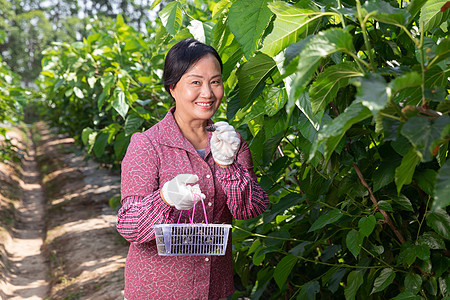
x=61, y=242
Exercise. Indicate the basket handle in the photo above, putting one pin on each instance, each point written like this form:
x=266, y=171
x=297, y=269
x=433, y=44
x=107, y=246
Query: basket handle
x=191, y=218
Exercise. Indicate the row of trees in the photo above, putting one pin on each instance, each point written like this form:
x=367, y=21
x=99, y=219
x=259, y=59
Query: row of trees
x=29, y=26
x=345, y=108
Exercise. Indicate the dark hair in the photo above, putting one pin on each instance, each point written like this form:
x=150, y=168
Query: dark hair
x=181, y=57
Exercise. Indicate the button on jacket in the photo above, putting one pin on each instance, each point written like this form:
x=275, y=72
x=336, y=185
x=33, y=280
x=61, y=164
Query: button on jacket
x=153, y=158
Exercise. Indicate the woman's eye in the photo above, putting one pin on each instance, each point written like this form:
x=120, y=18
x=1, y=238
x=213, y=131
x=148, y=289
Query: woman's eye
x=216, y=82
x=196, y=82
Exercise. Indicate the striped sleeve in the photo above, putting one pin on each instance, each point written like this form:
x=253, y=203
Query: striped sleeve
x=138, y=214
x=245, y=198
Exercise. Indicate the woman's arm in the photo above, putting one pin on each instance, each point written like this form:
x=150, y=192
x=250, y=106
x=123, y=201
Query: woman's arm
x=142, y=205
x=245, y=197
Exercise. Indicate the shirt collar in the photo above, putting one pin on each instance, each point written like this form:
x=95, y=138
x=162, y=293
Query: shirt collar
x=170, y=134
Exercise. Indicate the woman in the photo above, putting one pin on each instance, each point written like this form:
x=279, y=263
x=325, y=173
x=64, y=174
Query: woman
x=159, y=170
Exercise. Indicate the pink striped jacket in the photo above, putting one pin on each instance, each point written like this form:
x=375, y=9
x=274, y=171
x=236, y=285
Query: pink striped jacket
x=153, y=158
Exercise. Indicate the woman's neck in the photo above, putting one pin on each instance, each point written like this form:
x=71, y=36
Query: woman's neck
x=193, y=131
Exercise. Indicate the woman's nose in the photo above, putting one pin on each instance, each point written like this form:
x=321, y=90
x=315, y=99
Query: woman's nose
x=206, y=91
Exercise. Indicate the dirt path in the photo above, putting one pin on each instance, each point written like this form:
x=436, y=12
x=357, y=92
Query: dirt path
x=62, y=243
x=29, y=268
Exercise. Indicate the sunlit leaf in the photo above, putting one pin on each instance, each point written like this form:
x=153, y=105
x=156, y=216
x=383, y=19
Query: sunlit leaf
x=290, y=23
x=171, y=17
x=327, y=84
x=247, y=20
x=318, y=47
x=252, y=75
x=119, y=103
x=431, y=15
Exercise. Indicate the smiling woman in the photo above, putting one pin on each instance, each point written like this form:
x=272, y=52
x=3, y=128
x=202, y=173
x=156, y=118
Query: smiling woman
x=173, y=164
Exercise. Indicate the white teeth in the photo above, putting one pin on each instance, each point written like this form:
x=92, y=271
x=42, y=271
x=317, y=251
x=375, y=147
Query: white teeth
x=205, y=104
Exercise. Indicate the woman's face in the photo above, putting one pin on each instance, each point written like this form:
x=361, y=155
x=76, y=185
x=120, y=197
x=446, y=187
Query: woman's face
x=199, y=92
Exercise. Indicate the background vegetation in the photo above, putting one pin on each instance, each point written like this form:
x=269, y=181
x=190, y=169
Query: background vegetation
x=345, y=107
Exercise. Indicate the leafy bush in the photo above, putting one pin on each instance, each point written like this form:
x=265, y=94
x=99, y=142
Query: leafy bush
x=345, y=107
x=12, y=99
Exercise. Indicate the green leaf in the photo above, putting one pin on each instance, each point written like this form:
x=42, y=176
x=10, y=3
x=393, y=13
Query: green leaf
x=354, y=281
x=406, y=296
x=325, y=219
x=401, y=202
x=415, y=6
x=422, y=133
x=172, y=17
x=327, y=84
x=230, y=55
x=385, y=13
x=248, y=20
x=100, y=144
x=442, y=189
x=288, y=26
x=332, y=133
x=252, y=75
x=254, y=246
x=431, y=15
x=385, y=278
x=413, y=283
x=354, y=241
x=258, y=258
x=408, y=254
x=404, y=173
x=132, y=123
x=404, y=81
x=309, y=290
x=439, y=220
x=283, y=269
x=85, y=134
x=319, y=46
x=371, y=92
x=432, y=240
x=426, y=180
x=385, y=173
x=384, y=205
x=155, y=2
x=119, y=103
x=367, y=225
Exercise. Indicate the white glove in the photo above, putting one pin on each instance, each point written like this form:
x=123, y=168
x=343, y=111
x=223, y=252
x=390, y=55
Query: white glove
x=177, y=193
x=225, y=143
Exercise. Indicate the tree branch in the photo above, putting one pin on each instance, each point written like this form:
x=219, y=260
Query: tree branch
x=387, y=219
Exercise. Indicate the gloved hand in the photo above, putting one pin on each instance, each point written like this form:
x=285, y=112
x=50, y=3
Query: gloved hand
x=225, y=143
x=177, y=193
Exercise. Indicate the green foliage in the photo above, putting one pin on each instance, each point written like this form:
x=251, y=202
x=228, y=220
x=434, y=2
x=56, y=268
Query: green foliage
x=12, y=100
x=345, y=108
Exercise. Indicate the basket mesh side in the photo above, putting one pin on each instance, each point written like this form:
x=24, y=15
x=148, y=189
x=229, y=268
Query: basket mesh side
x=193, y=240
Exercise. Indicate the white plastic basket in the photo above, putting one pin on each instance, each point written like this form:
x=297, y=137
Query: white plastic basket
x=191, y=239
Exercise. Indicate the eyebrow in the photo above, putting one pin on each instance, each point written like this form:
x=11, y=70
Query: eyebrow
x=199, y=76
